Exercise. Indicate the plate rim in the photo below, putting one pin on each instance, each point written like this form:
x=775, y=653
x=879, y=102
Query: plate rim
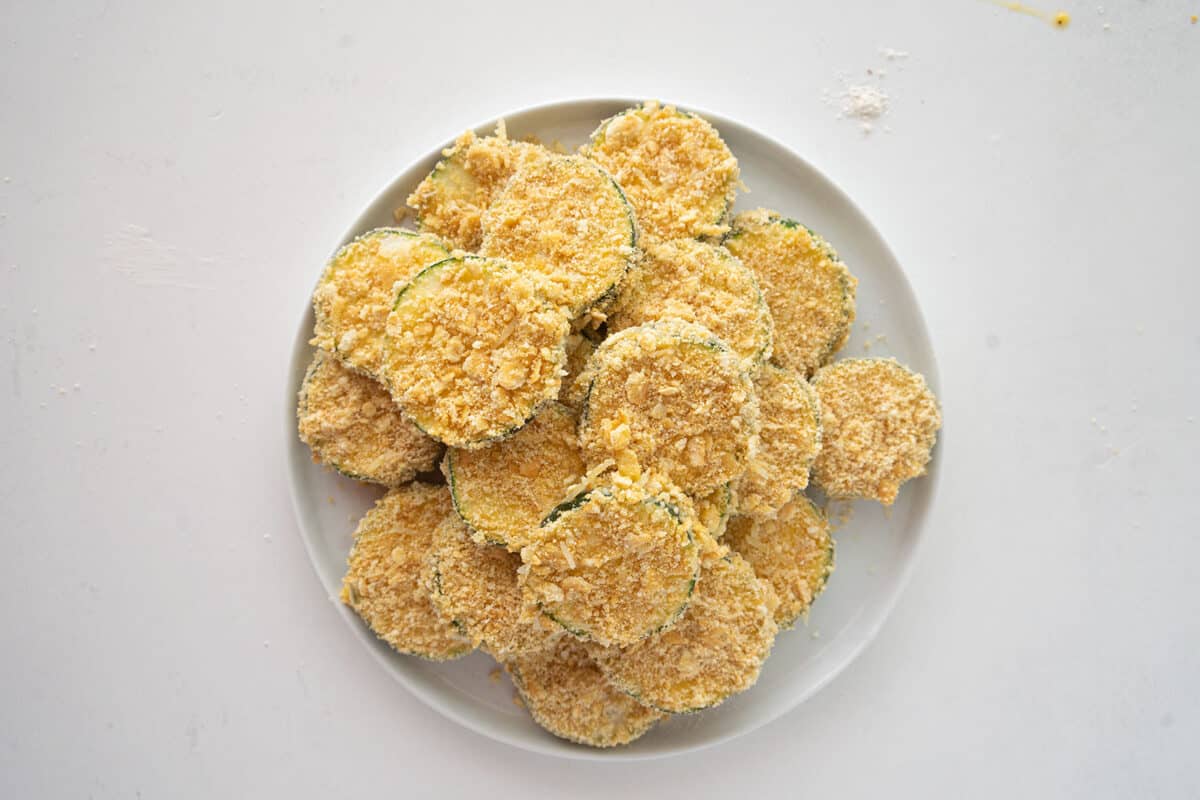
x=301, y=351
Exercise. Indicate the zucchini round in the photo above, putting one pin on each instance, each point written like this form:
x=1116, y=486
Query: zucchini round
x=353, y=425
x=387, y=582
x=563, y=221
x=673, y=398
x=879, y=425
x=792, y=551
x=568, y=696
x=809, y=290
x=473, y=350
x=612, y=565
x=676, y=171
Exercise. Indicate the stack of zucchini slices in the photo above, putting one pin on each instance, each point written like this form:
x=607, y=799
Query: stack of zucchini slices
x=627, y=389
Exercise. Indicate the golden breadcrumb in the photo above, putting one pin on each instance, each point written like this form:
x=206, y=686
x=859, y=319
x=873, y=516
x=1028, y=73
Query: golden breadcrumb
x=386, y=579
x=713, y=510
x=715, y=651
x=694, y=281
x=613, y=565
x=476, y=586
x=672, y=398
x=568, y=696
x=505, y=490
x=563, y=221
x=879, y=422
x=473, y=350
x=353, y=425
x=579, y=352
x=358, y=287
x=677, y=173
x=792, y=551
x=808, y=289
x=451, y=200
x=789, y=418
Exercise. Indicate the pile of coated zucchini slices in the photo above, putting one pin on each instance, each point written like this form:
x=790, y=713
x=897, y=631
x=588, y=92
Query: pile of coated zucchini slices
x=627, y=388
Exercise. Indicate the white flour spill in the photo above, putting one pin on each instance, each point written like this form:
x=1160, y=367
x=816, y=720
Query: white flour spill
x=864, y=100
x=865, y=103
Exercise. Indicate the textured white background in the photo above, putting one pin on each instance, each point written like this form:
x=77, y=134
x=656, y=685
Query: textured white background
x=173, y=175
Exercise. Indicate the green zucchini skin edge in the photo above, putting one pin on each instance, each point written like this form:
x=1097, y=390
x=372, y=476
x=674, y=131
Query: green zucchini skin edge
x=597, y=137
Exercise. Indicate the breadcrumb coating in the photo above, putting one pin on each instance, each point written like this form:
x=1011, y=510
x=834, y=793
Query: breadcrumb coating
x=473, y=350
x=713, y=510
x=809, y=290
x=568, y=696
x=386, y=580
x=879, y=422
x=792, y=551
x=356, y=291
x=672, y=398
x=353, y=425
x=579, y=351
x=789, y=417
x=676, y=171
x=476, y=586
x=505, y=490
x=715, y=651
x=613, y=565
x=451, y=200
x=694, y=281
x=563, y=221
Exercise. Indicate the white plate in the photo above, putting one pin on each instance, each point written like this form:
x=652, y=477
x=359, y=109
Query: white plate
x=874, y=550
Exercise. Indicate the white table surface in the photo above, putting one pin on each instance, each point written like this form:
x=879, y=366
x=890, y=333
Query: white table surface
x=174, y=174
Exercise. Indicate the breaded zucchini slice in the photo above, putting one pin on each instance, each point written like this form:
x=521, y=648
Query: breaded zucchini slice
x=697, y=282
x=673, y=397
x=675, y=169
x=357, y=289
x=473, y=350
x=387, y=581
x=715, y=651
x=809, y=290
x=565, y=222
x=476, y=586
x=568, y=696
x=579, y=351
x=353, y=425
x=505, y=490
x=451, y=200
x=612, y=565
x=793, y=551
x=789, y=417
x=879, y=424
